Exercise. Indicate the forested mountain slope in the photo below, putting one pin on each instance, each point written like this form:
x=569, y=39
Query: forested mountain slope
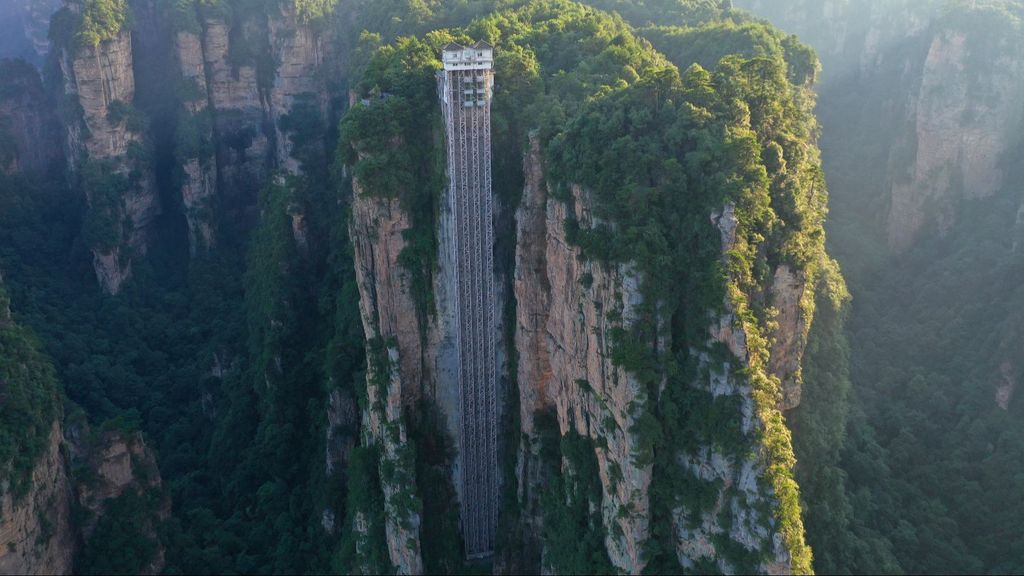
x=921, y=113
x=239, y=258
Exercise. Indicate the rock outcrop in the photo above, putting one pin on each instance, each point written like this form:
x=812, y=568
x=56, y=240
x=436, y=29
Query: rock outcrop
x=947, y=141
x=850, y=37
x=789, y=339
x=963, y=119
x=107, y=465
x=569, y=310
x=241, y=108
x=23, y=29
x=30, y=138
x=36, y=532
x=106, y=147
x=195, y=146
x=394, y=373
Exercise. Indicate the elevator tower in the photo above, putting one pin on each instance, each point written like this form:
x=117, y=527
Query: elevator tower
x=465, y=86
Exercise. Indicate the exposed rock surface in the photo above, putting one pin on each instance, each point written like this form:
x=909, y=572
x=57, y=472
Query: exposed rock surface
x=385, y=286
x=23, y=29
x=101, y=80
x=949, y=137
x=36, y=533
x=743, y=496
x=239, y=109
x=199, y=186
x=394, y=374
x=850, y=36
x=788, y=291
x=29, y=133
x=299, y=52
x=240, y=113
x=568, y=308
x=964, y=118
x=115, y=463
x=565, y=310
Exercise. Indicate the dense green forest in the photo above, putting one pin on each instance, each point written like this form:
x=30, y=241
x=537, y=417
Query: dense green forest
x=929, y=459
x=29, y=392
x=229, y=358
x=663, y=110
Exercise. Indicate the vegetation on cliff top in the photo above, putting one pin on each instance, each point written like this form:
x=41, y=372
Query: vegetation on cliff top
x=623, y=123
x=659, y=157
x=235, y=387
x=101, y=20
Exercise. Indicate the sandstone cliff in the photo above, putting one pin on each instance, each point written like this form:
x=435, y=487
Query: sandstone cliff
x=852, y=37
x=937, y=99
x=195, y=145
x=36, y=532
x=248, y=80
x=107, y=148
x=394, y=373
x=109, y=465
x=963, y=119
x=23, y=29
x=29, y=132
x=569, y=310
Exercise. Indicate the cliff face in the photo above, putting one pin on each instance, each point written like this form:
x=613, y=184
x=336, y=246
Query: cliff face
x=567, y=314
x=394, y=372
x=36, y=533
x=107, y=466
x=239, y=116
x=29, y=133
x=23, y=28
x=299, y=51
x=245, y=80
x=850, y=36
x=564, y=339
x=107, y=149
x=195, y=147
x=963, y=120
x=253, y=100
x=942, y=100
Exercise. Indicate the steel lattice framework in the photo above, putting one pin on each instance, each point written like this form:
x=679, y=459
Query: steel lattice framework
x=465, y=87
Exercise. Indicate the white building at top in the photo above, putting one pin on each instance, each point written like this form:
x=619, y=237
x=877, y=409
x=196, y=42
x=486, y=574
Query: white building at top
x=479, y=56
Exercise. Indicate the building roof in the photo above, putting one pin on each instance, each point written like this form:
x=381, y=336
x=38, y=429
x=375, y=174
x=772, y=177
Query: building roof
x=456, y=47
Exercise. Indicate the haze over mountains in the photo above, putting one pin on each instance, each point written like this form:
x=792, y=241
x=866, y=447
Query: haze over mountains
x=757, y=272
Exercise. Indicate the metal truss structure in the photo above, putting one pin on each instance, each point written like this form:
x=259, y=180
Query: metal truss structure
x=465, y=87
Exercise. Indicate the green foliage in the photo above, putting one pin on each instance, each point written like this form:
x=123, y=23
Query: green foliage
x=389, y=143
x=104, y=227
x=194, y=137
x=708, y=43
x=435, y=457
x=29, y=406
x=661, y=151
x=365, y=551
x=240, y=444
x=119, y=112
x=313, y=10
x=124, y=540
x=657, y=157
x=929, y=457
x=573, y=532
x=101, y=20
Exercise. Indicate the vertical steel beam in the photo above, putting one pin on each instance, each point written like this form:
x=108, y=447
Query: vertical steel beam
x=466, y=100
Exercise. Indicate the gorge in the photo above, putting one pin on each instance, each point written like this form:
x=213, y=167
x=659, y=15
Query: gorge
x=238, y=329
